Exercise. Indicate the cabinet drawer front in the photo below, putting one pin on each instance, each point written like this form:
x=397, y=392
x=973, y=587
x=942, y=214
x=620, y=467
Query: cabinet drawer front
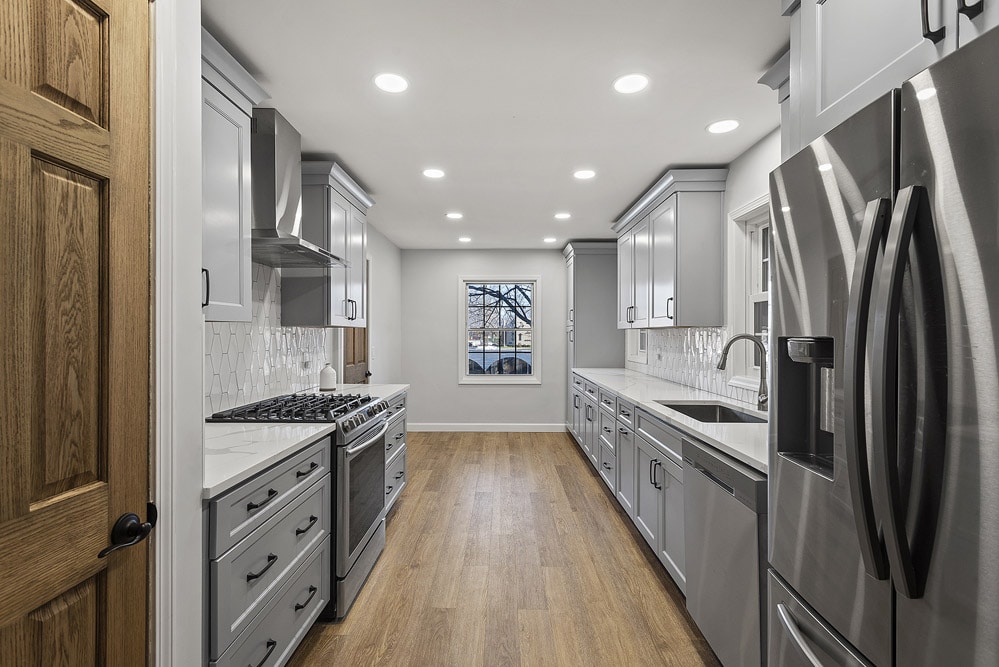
x=625, y=412
x=245, y=578
x=608, y=467
x=608, y=401
x=395, y=478
x=395, y=437
x=397, y=406
x=281, y=625
x=236, y=513
x=661, y=435
x=577, y=382
x=591, y=390
x=608, y=430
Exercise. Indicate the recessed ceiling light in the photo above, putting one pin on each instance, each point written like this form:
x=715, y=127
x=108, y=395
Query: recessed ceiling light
x=563, y=216
x=926, y=93
x=584, y=174
x=454, y=215
x=785, y=209
x=723, y=126
x=464, y=239
x=433, y=173
x=550, y=239
x=631, y=83
x=391, y=83
x=825, y=166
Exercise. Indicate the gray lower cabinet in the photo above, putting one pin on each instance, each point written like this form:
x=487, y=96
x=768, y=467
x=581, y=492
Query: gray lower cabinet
x=626, y=469
x=268, y=552
x=648, y=497
x=672, y=546
x=608, y=466
x=591, y=442
x=576, y=410
x=395, y=451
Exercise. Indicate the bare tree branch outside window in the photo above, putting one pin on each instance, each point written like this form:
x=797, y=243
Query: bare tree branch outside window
x=499, y=328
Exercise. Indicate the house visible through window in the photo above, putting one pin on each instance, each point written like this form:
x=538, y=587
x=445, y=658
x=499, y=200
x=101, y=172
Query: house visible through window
x=499, y=339
x=758, y=307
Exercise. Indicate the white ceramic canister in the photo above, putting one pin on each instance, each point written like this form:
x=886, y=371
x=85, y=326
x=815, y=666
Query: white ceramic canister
x=327, y=378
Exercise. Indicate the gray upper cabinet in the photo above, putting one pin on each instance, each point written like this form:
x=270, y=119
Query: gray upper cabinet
x=228, y=97
x=847, y=53
x=594, y=341
x=671, y=253
x=334, y=210
x=977, y=19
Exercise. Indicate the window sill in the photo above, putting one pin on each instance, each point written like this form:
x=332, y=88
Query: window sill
x=745, y=382
x=499, y=380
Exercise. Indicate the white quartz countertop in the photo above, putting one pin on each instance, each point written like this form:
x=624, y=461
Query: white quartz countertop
x=236, y=452
x=747, y=443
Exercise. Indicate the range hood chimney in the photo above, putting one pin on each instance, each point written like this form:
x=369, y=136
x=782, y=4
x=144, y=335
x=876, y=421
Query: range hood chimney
x=276, y=163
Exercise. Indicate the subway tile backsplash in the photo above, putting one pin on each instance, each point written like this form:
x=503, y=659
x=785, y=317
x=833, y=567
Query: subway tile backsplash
x=688, y=356
x=251, y=361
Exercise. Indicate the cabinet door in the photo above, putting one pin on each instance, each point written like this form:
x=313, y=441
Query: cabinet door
x=643, y=274
x=648, y=498
x=627, y=468
x=988, y=18
x=225, y=229
x=592, y=441
x=357, y=274
x=672, y=545
x=854, y=51
x=576, y=415
x=570, y=292
x=608, y=466
x=625, y=280
x=662, y=224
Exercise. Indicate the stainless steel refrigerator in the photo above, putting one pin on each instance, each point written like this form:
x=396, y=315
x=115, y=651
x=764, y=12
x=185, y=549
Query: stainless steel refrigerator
x=884, y=445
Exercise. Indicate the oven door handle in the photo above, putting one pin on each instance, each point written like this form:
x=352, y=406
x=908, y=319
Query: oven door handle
x=351, y=452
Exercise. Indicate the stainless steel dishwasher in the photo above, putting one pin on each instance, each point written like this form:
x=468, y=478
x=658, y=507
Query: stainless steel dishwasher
x=725, y=523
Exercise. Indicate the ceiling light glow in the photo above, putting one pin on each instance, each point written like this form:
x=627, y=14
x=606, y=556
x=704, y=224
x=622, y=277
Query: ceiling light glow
x=584, y=174
x=464, y=239
x=631, y=83
x=433, y=173
x=563, y=216
x=391, y=83
x=722, y=126
x=454, y=215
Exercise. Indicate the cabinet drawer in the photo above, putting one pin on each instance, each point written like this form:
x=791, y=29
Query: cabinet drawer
x=608, y=467
x=608, y=401
x=274, y=634
x=395, y=478
x=591, y=390
x=577, y=382
x=625, y=412
x=396, y=406
x=608, y=425
x=395, y=436
x=244, y=579
x=658, y=433
x=236, y=513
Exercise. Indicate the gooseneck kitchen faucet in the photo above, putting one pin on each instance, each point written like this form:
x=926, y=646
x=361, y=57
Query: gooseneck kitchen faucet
x=763, y=398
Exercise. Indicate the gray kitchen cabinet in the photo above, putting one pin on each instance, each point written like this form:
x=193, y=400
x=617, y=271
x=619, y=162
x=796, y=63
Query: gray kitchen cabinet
x=591, y=441
x=851, y=52
x=608, y=467
x=395, y=451
x=268, y=573
x=228, y=94
x=648, y=495
x=334, y=210
x=627, y=467
x=592, y=338
x=672, y=547
x=633, y=276
x=671, y=252
x=576, y=415
x=981, y=17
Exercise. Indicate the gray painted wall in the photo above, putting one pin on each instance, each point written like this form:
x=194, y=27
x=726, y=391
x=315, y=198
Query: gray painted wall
x=430, y=344
x=384, y=309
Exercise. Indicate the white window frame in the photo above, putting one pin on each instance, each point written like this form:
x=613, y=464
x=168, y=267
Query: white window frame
x=744, y=288
x=636, y=345
x=463, y=376
x=755, y=285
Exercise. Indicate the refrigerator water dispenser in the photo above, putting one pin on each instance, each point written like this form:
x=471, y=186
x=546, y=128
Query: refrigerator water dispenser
x=805, y=402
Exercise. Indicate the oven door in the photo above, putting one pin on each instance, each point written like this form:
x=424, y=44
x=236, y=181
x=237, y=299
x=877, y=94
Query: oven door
x=360, y=496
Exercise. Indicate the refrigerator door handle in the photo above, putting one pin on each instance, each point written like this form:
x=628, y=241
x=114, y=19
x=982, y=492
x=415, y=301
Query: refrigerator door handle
x=871, y=235
x=884, y=375
x=797, y=638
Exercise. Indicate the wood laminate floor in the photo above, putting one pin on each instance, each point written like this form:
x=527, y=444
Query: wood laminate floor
x=506, y=549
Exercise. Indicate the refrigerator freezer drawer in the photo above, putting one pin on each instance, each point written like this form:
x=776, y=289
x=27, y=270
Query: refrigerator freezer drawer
x=799, y=638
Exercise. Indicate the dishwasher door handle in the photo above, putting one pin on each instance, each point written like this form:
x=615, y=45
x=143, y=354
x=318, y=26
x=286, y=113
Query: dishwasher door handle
x=713, y=478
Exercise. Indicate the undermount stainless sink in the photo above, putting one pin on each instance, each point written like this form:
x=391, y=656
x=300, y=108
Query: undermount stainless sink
x=713, y=413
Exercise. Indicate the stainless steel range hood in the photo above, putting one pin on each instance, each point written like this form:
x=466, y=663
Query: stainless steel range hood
x=276, y=162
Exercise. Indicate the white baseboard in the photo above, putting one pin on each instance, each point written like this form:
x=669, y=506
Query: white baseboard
x=488, y=428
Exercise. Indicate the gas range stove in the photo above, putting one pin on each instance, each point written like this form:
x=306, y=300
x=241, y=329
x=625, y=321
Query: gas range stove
x=350, y=412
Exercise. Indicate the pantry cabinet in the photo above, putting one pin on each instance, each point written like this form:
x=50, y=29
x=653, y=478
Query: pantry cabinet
x=228, y=95
x=671, y=253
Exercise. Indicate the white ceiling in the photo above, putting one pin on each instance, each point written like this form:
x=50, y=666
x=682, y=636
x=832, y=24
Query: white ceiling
x=509, y=97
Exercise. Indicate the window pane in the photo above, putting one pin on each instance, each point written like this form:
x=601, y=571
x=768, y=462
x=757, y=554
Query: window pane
x=761, y=312
x=524, y=319
x=524, y=339
x=474, y=294
x=524, y=294
x=491, y=317
x=476, y=318
x=765, y=277
x=490, y=293
x=499, y=332
x=475, y=363
x=765, y=243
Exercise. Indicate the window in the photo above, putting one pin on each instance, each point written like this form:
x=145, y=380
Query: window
x=498, y=331
x=758, y=286
x=636, y=343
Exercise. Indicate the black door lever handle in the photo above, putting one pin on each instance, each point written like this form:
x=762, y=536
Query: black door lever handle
x=129, y=530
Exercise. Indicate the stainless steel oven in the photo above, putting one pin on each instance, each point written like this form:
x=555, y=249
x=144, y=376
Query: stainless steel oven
x=360, y=496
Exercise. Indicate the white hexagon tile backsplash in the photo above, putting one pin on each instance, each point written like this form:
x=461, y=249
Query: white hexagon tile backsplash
x=251, y=361
x=688, y=356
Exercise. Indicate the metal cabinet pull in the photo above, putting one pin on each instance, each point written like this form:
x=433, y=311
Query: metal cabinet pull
x=669, y=302
x=305, y=473
x=400, y=475
x=571, y=337
x=607, y=429
x=400, y=436
x=271, y=644
x=388, y=490
x=971, y=11
x=271, y=559
x=302, y=605
x=606, y=465
x=208, y=286
x=933, y=35
x=312, y=522
x=797, y=638
x=624, y=413
x=271, y=495
x=623, y=431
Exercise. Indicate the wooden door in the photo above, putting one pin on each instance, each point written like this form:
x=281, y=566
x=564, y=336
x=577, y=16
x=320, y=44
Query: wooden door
x=355, y=353
x=75, y=331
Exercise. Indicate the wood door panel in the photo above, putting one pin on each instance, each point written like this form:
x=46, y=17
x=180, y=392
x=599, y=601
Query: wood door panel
x=69, y=228
x=70, y=57
x=63, y=632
